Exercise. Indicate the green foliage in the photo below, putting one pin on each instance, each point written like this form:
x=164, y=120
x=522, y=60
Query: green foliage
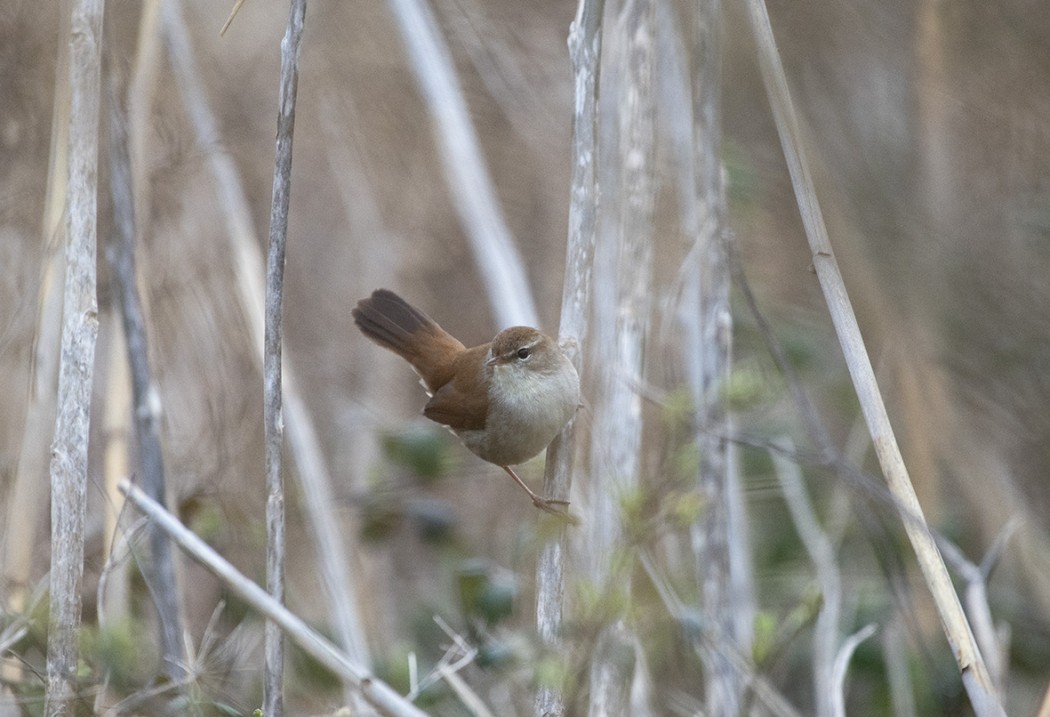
x=684, y=463
x=774, y=634
x=434, y=521
x=382, y=513
x=765, y=636
x=209, y=522
x=748, y=387
x=485, y=594
x=496, y=655
x=35, y=623
x=636, y=511
x=677, y=408
x=393, y=668
x=742, y=181
x=550, y=671
x=801, y=349
x=385, y=513
x=118, y=652
x=599, y=604
x=424, y=449
x=419, y=454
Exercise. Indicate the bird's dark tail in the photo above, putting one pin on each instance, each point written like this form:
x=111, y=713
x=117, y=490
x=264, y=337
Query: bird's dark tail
x=396, y=325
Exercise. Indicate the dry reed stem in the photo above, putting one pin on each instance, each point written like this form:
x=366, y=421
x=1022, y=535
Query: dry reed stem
x=841, y=666
x=898, y=669
x=273, y=693
x=376, y=692
x=27, y=497
x=994, y=647
x=69, y=453
x=1044, y=706
x=142, y=86
x=821, y=552
x=229, y=20
x=160, y=574
x=701, y=328
x=585, y=43
x=303, y=442
x=116, y=426
x=623, y=271
x=500, y=266
x=975, y=675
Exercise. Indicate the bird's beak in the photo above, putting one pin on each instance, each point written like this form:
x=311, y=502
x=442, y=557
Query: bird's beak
x=494, y=361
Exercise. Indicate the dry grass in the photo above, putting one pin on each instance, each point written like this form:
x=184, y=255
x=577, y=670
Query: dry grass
x=930, y=157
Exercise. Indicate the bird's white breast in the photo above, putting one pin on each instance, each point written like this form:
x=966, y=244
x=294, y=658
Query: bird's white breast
x=527, y=409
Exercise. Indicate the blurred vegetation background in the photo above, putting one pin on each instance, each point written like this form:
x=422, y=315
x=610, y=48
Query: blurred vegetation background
x=928, y=126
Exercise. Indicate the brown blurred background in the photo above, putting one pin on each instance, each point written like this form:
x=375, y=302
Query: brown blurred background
x=928, y=127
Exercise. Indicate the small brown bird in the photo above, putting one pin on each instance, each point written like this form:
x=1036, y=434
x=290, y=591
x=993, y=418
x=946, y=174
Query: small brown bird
x=506, y=399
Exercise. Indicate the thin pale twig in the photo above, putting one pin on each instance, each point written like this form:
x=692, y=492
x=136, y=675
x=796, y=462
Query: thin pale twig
x=841, y=665
x=976, y=598
x=229, y=20
x=456, y=657
x=822, y=554
x=375, y=691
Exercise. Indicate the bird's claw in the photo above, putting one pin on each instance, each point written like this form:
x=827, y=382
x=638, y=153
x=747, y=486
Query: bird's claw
x=555, y=506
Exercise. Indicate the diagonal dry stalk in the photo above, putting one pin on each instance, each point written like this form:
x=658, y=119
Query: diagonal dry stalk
x=975, y=675
x=500, y=266
x=376, y=692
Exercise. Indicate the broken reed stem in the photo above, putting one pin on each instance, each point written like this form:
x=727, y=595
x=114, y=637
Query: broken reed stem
x=273, y=699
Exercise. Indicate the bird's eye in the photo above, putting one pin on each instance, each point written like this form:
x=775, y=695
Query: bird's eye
x=524, y=352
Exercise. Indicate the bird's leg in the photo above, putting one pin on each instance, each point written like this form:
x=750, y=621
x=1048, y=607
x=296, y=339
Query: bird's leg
x=539, y=501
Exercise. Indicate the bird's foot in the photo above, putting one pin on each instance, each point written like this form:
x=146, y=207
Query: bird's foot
x=557, y=507
x=554, y=506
